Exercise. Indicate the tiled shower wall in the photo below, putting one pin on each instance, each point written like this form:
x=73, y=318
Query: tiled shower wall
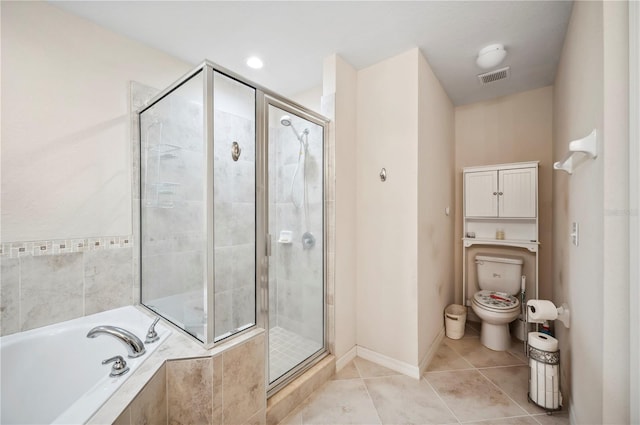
x=234, y=216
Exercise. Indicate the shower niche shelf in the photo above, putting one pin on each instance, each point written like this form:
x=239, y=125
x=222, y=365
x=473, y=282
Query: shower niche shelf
x=163, y=195
x=160, y=193
x=164, y=150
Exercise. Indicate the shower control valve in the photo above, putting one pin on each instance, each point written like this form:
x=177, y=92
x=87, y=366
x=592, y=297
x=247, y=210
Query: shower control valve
x=235, y=151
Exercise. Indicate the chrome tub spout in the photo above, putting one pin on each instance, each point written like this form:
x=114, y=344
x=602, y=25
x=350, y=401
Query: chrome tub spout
x=135, y=347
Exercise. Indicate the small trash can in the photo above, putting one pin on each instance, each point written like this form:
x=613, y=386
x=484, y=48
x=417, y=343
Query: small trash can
x=455, y=317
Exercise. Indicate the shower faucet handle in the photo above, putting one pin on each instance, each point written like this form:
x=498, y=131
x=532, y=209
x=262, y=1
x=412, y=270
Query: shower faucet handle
x=152, y=335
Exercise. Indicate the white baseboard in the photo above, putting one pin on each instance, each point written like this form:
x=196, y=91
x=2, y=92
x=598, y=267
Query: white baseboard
x=388, y=362
x=346, y=358
x=426, y=360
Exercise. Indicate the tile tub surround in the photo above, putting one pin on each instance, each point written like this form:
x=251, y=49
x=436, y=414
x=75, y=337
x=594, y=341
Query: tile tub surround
x=190, y=391
x=178, y=361
x=47, y=282
x=451, y=391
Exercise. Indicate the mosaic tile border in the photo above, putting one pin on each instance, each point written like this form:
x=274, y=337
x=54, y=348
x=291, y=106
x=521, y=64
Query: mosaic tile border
x=63, y=246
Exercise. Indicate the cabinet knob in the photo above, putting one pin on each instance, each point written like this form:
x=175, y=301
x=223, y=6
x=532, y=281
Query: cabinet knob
x=500, y=193
x=495, y=193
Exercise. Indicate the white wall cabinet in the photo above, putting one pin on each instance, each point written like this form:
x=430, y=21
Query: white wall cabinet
x=481, y=194
x=501, y=209
x=508, y=193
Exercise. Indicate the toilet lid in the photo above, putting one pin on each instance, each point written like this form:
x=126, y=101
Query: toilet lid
x=496, y=300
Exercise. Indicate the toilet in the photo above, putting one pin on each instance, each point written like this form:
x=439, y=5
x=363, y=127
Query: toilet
x=499, y=279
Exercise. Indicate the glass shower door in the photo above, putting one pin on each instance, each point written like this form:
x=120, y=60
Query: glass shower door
x=296, y=224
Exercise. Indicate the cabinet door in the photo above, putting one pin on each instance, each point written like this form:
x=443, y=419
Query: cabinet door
x=480, y=194
x=517, y=196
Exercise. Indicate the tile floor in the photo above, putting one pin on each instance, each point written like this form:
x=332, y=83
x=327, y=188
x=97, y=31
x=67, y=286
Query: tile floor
x=287, y=349
x=465, y=383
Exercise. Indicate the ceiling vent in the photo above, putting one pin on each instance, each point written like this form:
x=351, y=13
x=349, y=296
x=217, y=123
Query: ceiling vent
x=493, y=76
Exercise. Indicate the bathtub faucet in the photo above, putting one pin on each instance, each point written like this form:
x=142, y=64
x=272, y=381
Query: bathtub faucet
x=135, y=347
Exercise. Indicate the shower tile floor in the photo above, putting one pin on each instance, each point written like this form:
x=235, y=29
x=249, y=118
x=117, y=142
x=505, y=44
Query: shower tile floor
x=287, y=349
x=465, y=383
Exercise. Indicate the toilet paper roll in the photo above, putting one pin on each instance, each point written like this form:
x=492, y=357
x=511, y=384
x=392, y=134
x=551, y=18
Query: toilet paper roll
x=540, y=310
x=542, y=341
x=544, y=387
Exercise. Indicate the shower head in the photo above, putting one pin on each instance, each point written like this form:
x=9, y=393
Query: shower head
x=285, y=120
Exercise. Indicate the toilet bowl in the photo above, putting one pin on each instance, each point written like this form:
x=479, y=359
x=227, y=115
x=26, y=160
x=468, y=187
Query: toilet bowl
x=499, y=279
x=495, y=317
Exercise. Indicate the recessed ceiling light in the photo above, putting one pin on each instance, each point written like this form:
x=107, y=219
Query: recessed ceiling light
x=254, y=62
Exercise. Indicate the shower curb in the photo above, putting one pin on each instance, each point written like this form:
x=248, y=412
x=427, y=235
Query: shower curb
x=287, y=399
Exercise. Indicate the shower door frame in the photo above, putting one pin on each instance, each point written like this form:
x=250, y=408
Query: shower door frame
x=264, y=101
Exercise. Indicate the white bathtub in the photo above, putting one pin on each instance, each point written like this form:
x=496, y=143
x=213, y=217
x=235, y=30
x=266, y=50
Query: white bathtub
x=54, y=374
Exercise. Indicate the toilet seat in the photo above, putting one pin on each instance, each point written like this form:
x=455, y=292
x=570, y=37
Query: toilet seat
x=496, y=301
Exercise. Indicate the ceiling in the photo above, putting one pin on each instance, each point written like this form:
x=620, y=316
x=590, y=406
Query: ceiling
x=293, y=37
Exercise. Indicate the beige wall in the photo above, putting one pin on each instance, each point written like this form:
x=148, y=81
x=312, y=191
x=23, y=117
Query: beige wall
x=388, y=212
x=634, y=205
x=66, y=161
x=515, y=128
x=591, y=91
x=339, y=101
x=616, y=403
x=404, y=239
x=435, y=195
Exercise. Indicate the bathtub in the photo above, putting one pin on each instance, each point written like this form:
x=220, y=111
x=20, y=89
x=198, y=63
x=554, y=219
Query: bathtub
x=54, y=374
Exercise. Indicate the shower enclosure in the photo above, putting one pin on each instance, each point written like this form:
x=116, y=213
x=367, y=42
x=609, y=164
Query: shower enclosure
x=232, y=222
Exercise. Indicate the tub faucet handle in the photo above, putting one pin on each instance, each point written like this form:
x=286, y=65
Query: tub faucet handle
x=119, y=367
x=152, y=335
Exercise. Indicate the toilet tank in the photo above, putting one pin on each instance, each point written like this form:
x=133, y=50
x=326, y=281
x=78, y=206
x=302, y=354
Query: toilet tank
x=501, y=273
